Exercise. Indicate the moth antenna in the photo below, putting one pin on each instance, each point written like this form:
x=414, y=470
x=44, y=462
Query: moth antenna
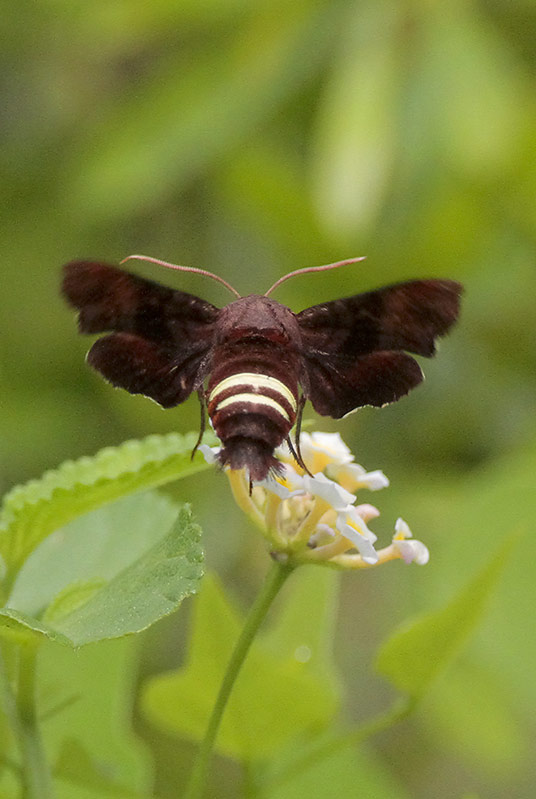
x=323, y=268
x=194, y=269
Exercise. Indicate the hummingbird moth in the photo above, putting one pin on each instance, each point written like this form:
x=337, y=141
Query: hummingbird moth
x=254, y=362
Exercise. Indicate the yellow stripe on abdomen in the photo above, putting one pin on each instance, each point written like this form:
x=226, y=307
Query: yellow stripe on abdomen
x=253, y=380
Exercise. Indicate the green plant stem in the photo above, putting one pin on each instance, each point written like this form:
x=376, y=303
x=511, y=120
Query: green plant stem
x=36, y=777
x=274, y=581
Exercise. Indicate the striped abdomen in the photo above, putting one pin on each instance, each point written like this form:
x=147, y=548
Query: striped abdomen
x=252, y=402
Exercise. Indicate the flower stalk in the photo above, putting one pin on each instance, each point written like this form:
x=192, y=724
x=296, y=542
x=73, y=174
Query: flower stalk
x=274, y=581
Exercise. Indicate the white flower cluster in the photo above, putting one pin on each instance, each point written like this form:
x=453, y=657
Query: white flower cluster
x=313, y=517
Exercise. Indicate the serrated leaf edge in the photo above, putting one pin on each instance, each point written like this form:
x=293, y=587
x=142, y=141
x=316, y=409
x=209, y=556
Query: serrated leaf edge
x=107, y=465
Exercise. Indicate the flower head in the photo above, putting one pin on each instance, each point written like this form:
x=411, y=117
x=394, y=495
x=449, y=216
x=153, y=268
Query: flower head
x=313, y=518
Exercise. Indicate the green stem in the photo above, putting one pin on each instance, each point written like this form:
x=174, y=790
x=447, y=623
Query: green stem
x=36, y=777
x=274, y=581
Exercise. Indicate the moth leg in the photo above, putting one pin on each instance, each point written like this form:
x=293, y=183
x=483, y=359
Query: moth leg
x=203, y=423
x=297, y=458
x=296, y=452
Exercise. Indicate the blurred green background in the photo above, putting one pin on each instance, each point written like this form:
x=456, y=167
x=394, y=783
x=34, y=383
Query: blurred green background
x=252, y=138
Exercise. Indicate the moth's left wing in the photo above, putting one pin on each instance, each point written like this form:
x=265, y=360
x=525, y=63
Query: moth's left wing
x=143, y=367
x=160, y=337
x=353, y=348
x=108, y=298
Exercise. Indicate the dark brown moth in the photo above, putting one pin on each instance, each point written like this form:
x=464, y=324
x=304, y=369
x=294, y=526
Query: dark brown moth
x=254, y=362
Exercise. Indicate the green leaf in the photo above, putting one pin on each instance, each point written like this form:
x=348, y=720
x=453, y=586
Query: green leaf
x=414, y=654
x=356, y=137
x=478, y=93
x=348, y=771
x=32, y=511
x=17, y=627
x=304, y=628
x=86, y=697
x=128, y=162
x=93, y=547
x=472, y=716
x=277, y=695
x=71, y=598
x=137, y=571
x=77, y=767
x=152, y=587
x=468, y=517
x=114, y=25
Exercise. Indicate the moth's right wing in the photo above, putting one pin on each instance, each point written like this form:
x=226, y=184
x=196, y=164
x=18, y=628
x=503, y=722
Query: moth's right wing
x=354, y=348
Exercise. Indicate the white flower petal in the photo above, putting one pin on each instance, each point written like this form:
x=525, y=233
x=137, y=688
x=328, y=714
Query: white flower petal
x=289, y=484
x=321, y=486
x=367, y=511
x=375, y=480
x=364, y=544
x=402, y=530
x=283, y=453
x=351, y=516
x=331, y=444
x=412, y=551
x=325, y=529
x=210, y=454
x=356, y=475
x=277, y=488
x=318, y=450
x=322, y=535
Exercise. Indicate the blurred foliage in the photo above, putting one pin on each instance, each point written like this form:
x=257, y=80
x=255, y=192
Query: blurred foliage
x=254, y=729
x=252, y=138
